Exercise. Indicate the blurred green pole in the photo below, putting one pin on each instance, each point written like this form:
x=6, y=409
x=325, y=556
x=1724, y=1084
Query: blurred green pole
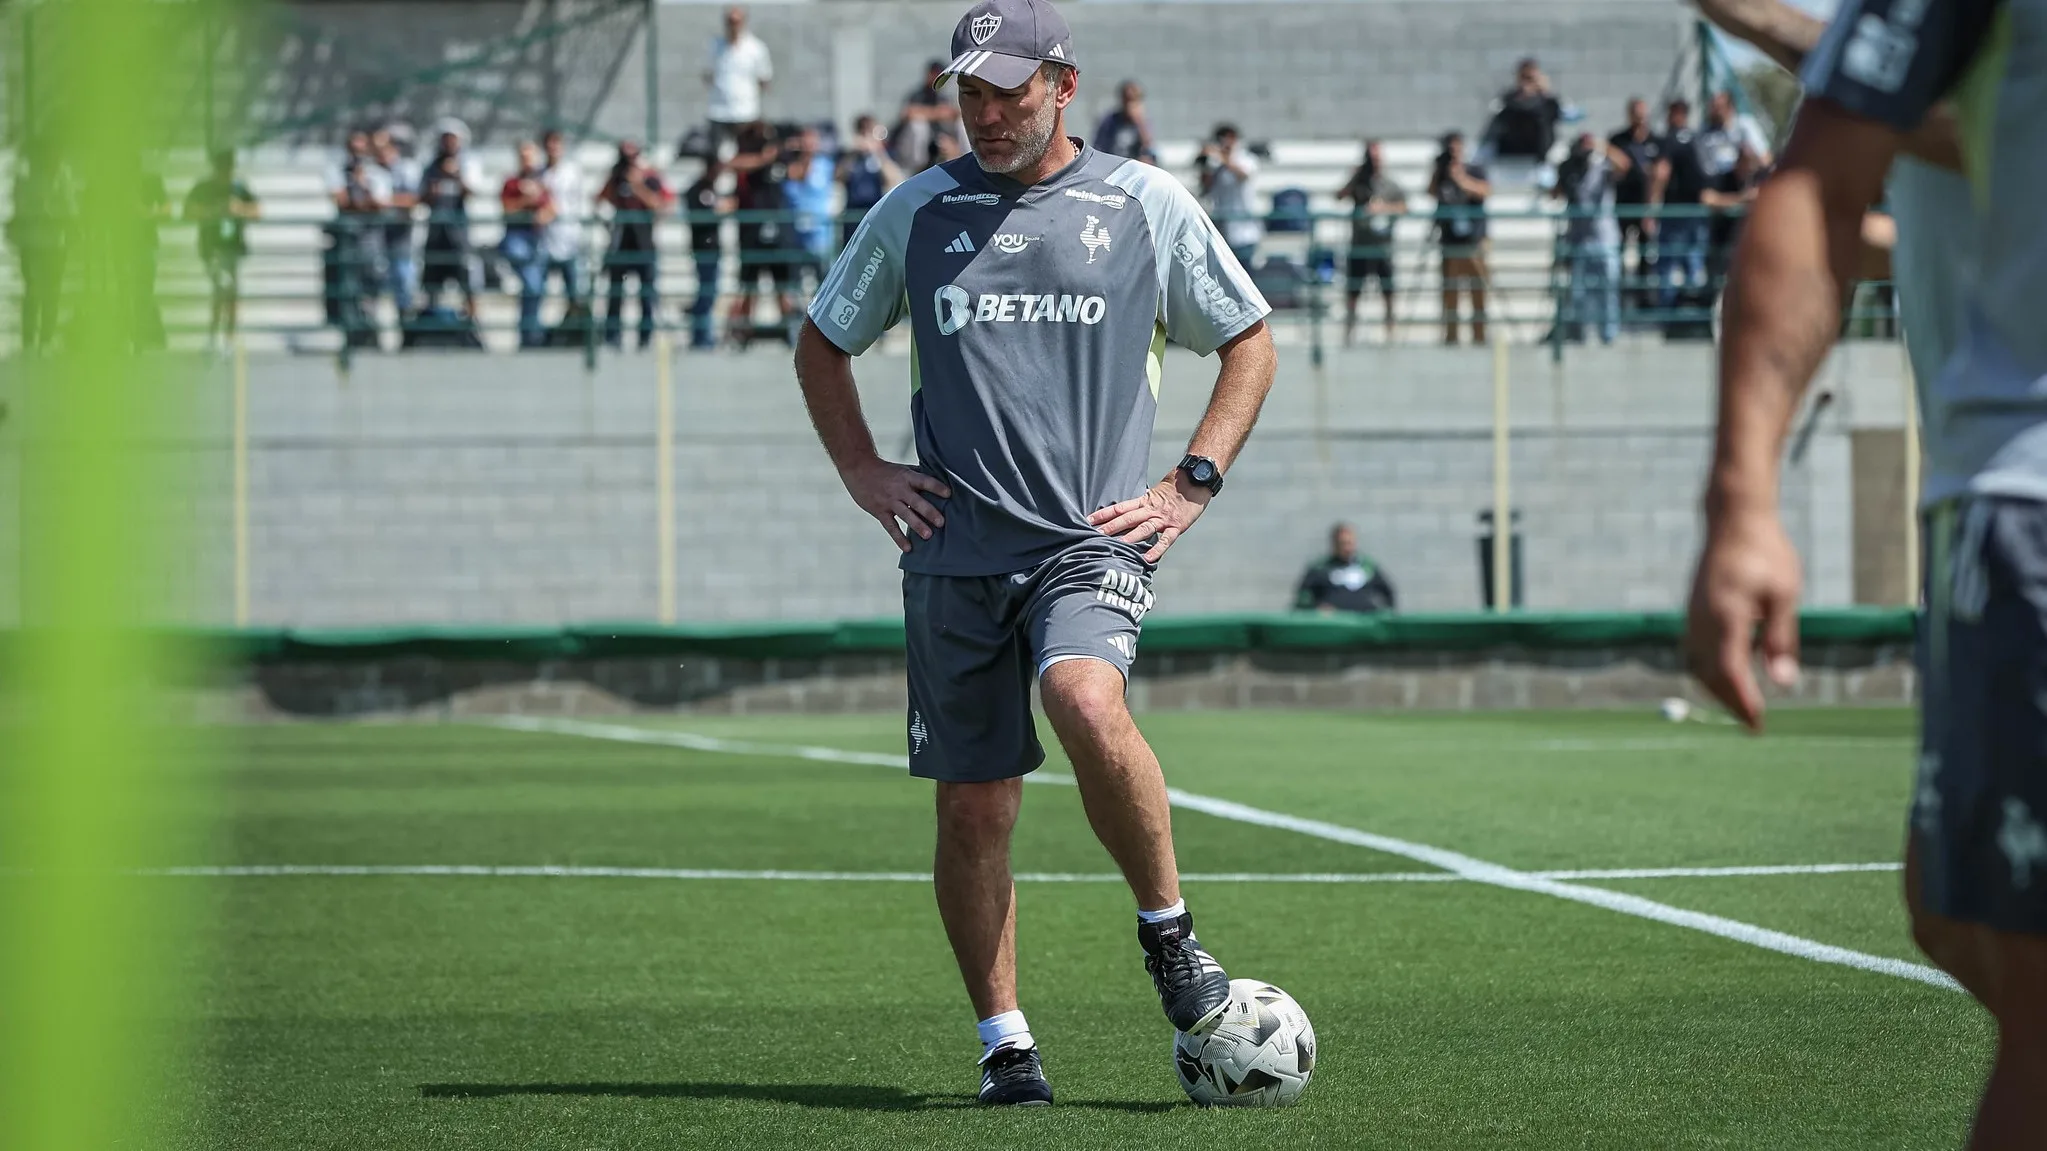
x=89, y=956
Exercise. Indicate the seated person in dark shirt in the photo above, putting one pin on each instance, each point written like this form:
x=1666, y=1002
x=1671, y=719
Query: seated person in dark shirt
x=1525, y=127
x=1344, y=580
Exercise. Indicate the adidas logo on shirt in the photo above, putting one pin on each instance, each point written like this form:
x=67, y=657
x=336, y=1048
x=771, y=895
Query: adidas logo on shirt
x=961, y=244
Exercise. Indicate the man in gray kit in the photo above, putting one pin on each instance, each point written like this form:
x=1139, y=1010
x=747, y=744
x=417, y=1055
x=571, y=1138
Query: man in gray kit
x=1976, y=846
x=1041, y=280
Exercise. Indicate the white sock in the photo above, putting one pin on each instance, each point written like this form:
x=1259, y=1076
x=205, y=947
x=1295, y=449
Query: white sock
x=1005, y=1030
x=1178, y=909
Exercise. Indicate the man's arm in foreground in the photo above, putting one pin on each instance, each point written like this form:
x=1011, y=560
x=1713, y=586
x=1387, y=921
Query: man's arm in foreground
x=1174, y=503
x=887, y=491
x=1798, y=259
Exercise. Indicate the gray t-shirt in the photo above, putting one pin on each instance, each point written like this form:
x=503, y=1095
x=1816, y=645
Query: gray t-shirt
x=1039, y=316
x=1892, y=60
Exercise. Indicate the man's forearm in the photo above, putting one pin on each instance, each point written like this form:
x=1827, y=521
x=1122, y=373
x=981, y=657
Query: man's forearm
x=1248, y=364
x=1782, y=310
x=825, y=373
x=1777, y=30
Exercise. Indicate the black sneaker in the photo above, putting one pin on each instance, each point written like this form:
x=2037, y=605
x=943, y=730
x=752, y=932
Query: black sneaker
x=1013, y=1077
x=1192, y=986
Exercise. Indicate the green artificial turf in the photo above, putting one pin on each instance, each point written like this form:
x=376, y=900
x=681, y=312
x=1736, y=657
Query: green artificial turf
x=525, y=1012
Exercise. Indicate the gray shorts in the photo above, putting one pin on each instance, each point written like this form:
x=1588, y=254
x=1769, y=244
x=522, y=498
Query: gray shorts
x=976, y=643
x=1979, y=812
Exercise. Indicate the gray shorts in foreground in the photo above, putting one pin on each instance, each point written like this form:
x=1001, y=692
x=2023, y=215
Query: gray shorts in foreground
x=975, y=643
x=1979, y=813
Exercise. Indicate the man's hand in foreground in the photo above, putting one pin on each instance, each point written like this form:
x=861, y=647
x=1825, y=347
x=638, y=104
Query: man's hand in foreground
x=893, y=492
x=1748, y=575
x=1167, y=510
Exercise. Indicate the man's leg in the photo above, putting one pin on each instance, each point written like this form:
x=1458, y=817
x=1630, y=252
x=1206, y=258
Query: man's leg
x=1477, y=282
x=1086, y=606
x=1351, y=292
x=1451, y=282
x=975, y=896
x=1978, y=913
x=1121, y=786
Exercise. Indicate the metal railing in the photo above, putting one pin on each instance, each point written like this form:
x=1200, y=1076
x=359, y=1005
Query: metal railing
x=384, y=283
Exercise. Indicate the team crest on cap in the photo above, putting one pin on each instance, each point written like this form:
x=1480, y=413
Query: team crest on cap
x=984, y=27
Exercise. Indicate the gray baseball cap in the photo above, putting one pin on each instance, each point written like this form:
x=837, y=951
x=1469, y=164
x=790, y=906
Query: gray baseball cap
x=1004, y=41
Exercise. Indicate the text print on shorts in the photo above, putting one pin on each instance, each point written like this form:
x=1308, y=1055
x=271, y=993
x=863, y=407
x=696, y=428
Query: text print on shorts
x=1125, y=591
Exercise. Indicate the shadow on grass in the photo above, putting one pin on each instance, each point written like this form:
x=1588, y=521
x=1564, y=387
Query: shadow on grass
x=840, y=1096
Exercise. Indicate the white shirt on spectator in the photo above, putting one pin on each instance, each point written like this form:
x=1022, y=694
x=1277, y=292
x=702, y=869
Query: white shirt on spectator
x=738, y=70
x=1233, y=201
x=1720, y=147
x=374, y=176
x=565, y=186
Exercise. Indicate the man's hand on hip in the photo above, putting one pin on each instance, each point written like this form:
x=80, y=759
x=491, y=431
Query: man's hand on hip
x=892, y=492
x=1748, y=575
x=1167, y=510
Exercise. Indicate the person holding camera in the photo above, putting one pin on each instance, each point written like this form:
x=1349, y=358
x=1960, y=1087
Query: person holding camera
x=451, y=178
x=637, y=195
x=1587, y=182
x=1229, y=184
x=528, y=211
x=1376, y=204
x=767, y=243
x=866, y=173
x=1460, y=190
x=361, y=190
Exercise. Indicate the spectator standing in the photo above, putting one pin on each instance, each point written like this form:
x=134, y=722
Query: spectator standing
x=153, y=208
x=1344, y=580
x=1726, y=133
x=766, y=247
x=1525, y=126
x=355, y=154
x=1376, y=202
x=706, y=213
x=219, y=207
x=809, y=185
x=1729, y=195
x=928, y=126
x=391, y=147
x=637, y=195
x=866, y=173
x=1229, y=184
x=1460, y=190
x=1644, y=148
x=362, y=195
x=564, y=240
x=1675, y=196
x=45, y=213
x=1125, y=131
x=450, y=179
x=528, y=209
x=739, y=73
x=1586, y=183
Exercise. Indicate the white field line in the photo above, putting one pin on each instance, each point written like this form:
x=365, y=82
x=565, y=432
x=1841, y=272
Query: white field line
x=566, y=871
x=1464, y=866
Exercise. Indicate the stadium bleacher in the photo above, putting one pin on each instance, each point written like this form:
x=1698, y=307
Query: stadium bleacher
x=282, y=285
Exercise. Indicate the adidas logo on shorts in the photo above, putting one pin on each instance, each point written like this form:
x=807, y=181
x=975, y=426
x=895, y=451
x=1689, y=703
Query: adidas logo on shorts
x=961, y=244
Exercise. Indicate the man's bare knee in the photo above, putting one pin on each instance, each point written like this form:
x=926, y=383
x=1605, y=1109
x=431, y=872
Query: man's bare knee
x=978, y=813
x=1083, y=697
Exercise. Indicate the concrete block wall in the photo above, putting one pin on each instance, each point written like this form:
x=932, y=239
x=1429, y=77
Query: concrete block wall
x=1308, y=69
x=466, y=489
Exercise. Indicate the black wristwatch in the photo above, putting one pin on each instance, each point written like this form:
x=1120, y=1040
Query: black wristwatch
x=1203, y=471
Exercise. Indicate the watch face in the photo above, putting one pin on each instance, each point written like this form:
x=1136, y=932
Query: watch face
x=1204, y=472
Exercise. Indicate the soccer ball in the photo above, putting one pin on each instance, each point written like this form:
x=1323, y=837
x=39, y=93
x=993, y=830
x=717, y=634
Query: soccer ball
x=1259, y=1053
